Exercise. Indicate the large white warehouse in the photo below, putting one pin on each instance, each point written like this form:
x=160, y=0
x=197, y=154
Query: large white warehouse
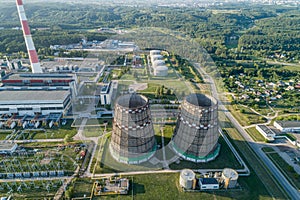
x=32, y=102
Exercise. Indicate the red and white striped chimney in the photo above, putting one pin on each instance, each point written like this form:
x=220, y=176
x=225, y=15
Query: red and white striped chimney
x=34, y=60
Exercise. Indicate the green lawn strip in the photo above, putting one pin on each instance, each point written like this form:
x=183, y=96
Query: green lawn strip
x=166, y=186
x=256, y=136
x=226, y=159
x=4, y=134
x=287, y=170
x=266, y=182
x=247, y=117
x=268, y=149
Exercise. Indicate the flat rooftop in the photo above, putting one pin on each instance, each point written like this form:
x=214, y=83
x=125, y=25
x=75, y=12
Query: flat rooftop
x=209, y=181
x=49, y=76
x=31, y=96
x=266, y=129
x=6, y=146
x=288, y=124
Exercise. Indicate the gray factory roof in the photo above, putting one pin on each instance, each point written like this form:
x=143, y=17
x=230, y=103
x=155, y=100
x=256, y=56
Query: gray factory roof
x=32, y=96
x=288, y=124
x=6, y=146
x=266, y=129
x=24, y=76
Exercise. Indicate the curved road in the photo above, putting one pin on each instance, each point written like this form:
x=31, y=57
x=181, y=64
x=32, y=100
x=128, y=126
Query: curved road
x=291, y=191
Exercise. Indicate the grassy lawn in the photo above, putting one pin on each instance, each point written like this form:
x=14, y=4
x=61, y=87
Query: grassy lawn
x=166, y=186
x=34, y=190
x=263, y=179
x=292, y=68
x=225, y=159
x=108, y=164
x=3, y=134
x=256, y=136
x=245, y=116
x=82, y=186
x=287, y=170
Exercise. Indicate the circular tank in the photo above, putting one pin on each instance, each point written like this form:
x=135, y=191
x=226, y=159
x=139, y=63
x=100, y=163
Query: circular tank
x=157, y=63
x=132, y=139
x=161, y=71
x=196, y=134
x=186, y=179
x=156, y=57
x=229, y=177
x=155, y=52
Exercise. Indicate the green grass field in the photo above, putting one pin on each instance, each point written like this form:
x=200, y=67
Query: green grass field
x=262, y=179
x=166, y=186
x=226, y=159
x=256, y=136
x=245, y=116
x=3, y=134
x=287, y=170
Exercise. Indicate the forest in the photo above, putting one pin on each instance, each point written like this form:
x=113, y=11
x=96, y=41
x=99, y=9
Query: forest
x=261, y=30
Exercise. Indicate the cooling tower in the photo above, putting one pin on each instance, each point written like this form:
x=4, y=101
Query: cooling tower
x=132, y=140
x=196, y=135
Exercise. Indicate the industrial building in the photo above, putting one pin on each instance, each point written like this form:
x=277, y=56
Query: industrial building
x=26, y=99
x=132, y=140
x=226, y=179
x=196, y=134
x=208, y=184
x=37, y=80
x=266, y=132
x=111, y=186
x=32, y=102
x=187, y=179
x=288, y=126
x=106, y=93
x=32, y=94
x=7, y=147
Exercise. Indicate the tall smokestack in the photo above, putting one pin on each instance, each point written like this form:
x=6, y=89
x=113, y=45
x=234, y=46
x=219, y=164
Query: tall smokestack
x=34, y=60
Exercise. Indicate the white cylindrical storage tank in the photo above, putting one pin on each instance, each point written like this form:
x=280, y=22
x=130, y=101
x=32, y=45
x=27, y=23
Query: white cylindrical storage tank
x=186, y=179
x=156, y=57
x=229, y=177
x=155, y=52
x=161, y=71
x=157, y=63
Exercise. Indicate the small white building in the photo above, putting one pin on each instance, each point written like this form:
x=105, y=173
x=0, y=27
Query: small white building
x=7, y=147
x=208, y=184
x=30, y=102
x=266, y=132
x=106, y=93
x=288, y=126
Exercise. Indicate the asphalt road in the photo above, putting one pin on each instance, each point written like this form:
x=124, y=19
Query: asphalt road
x=291, y=191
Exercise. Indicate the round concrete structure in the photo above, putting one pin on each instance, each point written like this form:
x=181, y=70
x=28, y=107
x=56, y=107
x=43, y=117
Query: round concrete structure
x=187, y=178
x=157, y=63
x=156, y=57
x=155, y=52
x=196, y=134
x=132, y=139
x=161, y=71
x=229, y=178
